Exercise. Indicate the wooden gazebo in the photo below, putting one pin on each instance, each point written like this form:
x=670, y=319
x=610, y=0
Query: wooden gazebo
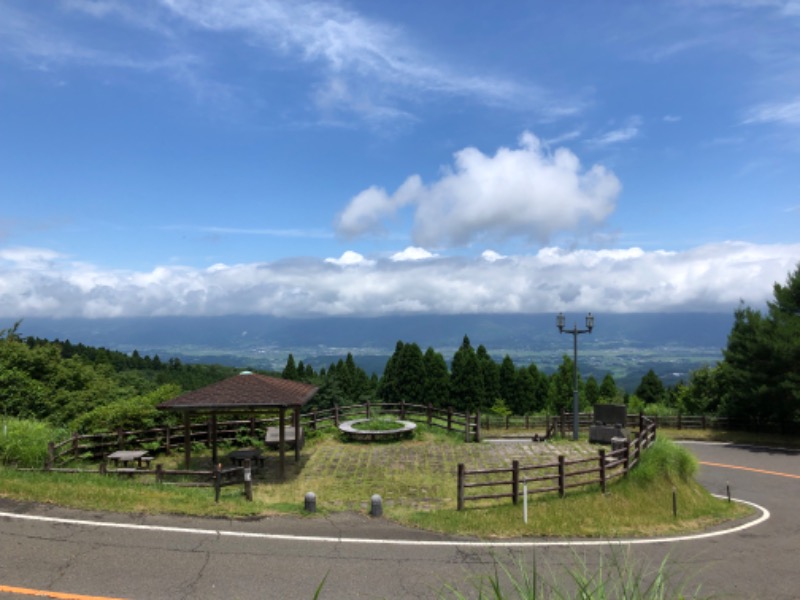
x=245, y=393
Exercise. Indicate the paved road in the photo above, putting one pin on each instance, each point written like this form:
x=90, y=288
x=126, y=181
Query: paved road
x=173, y=557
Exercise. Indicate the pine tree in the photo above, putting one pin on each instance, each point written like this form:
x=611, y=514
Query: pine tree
x=290, y=370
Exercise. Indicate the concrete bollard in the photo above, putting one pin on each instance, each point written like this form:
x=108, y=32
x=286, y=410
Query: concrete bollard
x=376, y=509
x=311, y=502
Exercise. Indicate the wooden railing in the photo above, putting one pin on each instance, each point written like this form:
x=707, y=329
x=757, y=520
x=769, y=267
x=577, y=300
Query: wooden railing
x=217, y=477
x=555, y=477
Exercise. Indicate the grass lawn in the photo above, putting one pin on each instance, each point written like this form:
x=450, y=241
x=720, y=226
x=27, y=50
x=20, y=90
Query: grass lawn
x=417, y=480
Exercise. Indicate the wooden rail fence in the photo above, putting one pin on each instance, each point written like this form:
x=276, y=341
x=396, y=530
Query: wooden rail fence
x=558, y=477
x=96, y=446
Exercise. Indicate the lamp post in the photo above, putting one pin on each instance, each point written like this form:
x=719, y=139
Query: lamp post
x=575, y=333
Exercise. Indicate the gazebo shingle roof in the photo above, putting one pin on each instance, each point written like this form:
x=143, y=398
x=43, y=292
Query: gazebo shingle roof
x=245, y=391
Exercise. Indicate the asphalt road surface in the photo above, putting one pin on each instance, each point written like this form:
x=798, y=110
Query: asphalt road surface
x=69, y=554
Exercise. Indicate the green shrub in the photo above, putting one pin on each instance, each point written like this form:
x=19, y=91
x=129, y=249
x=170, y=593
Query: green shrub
x=23, y=442
x=139, y=412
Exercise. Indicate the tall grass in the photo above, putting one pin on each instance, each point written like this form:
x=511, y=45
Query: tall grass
x=665, y=459
x=23, y=442
x=622, y=577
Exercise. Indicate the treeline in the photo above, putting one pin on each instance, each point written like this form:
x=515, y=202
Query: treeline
x=473, y=381
x=88, y=388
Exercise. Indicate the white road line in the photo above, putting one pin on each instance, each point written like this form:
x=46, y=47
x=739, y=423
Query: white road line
x=452, y=543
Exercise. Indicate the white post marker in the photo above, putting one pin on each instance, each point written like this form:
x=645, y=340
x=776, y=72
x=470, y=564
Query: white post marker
x=525, y=500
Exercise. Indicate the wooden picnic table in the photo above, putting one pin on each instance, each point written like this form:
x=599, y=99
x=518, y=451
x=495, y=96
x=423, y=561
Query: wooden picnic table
x=252, y=454
x=129, y=456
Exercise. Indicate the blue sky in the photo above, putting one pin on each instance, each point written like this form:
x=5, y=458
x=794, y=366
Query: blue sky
x=168, y=157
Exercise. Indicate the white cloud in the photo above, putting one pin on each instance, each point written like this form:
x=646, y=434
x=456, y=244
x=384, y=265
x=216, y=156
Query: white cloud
x=616, y=136
x=349, y=259
x=412, y=253
x=711, y=277
x=366, y=211
x=780, y=112
x=492, y=256
x=524, y=192
x=362, y=67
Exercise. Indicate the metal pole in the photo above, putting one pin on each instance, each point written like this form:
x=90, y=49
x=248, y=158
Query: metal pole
x=575, y=395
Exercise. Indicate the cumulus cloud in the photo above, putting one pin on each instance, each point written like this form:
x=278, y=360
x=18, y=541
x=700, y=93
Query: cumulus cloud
x=707, y=278
x=525, y=192
x=411, y=253
x=349, y=259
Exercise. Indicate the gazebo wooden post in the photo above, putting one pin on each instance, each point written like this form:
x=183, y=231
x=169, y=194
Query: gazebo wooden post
x=187, y=440
x=214, y=438
x=296, y=425
x=282, y=442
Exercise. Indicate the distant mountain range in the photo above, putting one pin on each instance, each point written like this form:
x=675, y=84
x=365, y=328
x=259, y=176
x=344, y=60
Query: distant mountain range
x=625, y=345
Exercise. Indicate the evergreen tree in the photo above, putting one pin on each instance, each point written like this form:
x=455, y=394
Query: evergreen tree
x=388, y=390
x=490, y=375
x=651, y=388
x=466, y=381
x=609, y=392
x=411, y=375
x=507, y=378
x=437, y=379
x=290, y=370
x=592, y=391
x=541, y=388
x=523, y=397
x=560, y=393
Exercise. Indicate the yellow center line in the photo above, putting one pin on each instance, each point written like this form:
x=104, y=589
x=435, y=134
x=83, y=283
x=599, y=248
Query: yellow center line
x=48, y=594
x=713, y=464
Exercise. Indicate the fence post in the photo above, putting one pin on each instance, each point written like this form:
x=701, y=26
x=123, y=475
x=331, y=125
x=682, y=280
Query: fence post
x=467, y=427
x=248, y=479
x=449, y=418
x=168, y=440
x=478, y=426
x=159, y=473
x=402, y=409
x=460, y=494
x=602, y=458
x=314, y=420
x=75, y=448
x=704, y=420
x=104, y=466
x=641, y=420
x=366, y=404
x=217, y=481
x=336, y=415
x=120, y=438
x=515, y=481
x=51, y=456
x=679, y=420
x=561, y=475
x=430, y=414
x=252, y=427
x=638, y=446
x=627, y=458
